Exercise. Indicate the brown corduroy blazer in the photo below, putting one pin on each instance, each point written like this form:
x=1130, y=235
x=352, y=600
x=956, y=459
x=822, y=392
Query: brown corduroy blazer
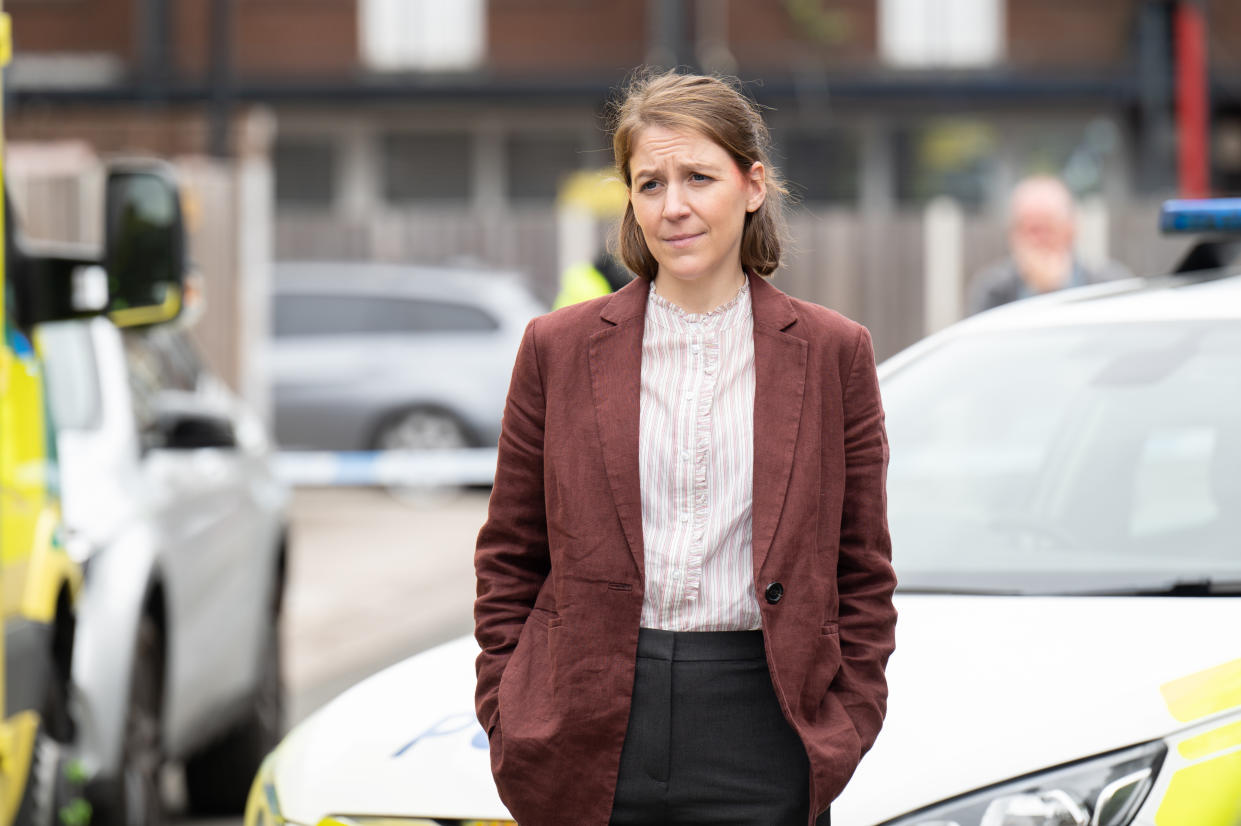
x=559, y=559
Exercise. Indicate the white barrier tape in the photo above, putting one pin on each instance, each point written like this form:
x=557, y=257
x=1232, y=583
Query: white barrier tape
x=470, y=466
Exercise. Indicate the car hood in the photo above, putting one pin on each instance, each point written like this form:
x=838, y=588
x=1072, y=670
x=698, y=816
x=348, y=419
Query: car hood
x=982, y=689
x=403, y=742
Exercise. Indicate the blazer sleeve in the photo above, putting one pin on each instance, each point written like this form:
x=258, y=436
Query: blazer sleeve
x=865, y=578
x=511, y=555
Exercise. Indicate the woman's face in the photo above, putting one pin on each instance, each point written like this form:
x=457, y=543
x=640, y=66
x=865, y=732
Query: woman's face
x=690, y=201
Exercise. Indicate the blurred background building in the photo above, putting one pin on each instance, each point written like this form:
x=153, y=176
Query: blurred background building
x=431, y=131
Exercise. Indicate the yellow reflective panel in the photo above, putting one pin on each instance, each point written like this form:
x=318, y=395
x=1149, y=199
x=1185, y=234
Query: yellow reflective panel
x=6, y=38
x=489, y=823
x=1205, y=693
x=337, y=820
x=17, y=740
x=406, y=821
x=137, y=316
x=1212, y=741
x=1204, y=794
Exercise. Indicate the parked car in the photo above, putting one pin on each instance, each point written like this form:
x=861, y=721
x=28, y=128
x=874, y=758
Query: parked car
x=169, y=496
x=1065, y=506
x=369, y=356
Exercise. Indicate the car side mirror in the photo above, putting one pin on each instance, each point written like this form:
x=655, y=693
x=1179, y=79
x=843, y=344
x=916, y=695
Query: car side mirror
x=183, y=430
x=144, y=243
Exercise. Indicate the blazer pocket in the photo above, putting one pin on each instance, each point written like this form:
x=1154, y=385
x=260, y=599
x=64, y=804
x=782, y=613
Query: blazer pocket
x=525, y=694
x=822, y=669
x=581, y=680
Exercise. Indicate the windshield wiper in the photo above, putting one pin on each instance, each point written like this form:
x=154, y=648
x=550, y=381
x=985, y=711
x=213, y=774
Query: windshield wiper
x=963, y=590
x=1205, y=587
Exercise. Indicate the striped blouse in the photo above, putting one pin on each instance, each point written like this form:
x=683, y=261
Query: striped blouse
x=696, y=458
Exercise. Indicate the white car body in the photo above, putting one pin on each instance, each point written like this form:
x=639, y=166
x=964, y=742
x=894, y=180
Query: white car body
x=406, y=740
x=985, y=689
x=205, y=528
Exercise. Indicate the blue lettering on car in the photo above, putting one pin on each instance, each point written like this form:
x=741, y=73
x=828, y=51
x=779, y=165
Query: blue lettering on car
x=446, y=726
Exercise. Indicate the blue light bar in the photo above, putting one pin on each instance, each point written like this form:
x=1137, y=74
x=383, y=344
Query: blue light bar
x=1205, y=215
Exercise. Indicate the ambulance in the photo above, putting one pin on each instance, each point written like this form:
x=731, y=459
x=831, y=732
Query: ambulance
x=136, y=280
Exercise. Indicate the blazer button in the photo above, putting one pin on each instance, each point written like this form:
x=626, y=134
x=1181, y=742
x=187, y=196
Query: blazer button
x=774, y=592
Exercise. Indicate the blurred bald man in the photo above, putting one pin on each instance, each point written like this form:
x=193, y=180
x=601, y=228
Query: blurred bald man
x=1041, y=231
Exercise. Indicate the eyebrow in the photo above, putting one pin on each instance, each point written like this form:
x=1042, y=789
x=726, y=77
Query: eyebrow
x=695, y=165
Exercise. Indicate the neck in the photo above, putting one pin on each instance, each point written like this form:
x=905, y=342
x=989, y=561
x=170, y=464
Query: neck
x=699, y=296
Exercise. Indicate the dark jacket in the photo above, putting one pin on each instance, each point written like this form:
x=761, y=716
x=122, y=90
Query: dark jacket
x=559, y=560
x=1001, y=283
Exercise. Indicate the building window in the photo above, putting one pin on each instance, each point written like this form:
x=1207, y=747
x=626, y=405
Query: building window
x=956, y=158
x=305, y=171
x=424, y=35
x=427, y=167
x=538, y=164
x=820, y=167
x=924, y=33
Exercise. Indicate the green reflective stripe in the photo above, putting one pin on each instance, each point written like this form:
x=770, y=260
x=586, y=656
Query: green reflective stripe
x=1204, y=794
x=1224, y=737
x=1204, y=693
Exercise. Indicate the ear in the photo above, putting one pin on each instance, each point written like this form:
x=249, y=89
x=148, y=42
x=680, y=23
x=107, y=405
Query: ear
x=758, y=187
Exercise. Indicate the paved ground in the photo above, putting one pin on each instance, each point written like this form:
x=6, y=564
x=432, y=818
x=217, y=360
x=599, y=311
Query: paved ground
x=373, y=578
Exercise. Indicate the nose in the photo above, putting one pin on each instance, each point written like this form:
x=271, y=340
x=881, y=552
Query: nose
x=675, y=204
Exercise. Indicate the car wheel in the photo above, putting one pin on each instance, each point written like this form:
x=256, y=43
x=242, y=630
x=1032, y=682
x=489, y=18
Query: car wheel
x=423, y=429
x=53, y=789
x=39, y=796
x=134, y=798
x=218, y=778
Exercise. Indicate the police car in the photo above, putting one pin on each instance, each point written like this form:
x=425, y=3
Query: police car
x=1065, y=507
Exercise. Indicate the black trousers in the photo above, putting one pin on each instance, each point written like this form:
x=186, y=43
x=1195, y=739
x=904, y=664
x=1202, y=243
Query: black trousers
x=707, y=742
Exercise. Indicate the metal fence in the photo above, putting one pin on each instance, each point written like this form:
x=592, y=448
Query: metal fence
x=871, y=267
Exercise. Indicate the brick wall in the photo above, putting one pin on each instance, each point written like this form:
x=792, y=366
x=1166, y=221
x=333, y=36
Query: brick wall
x=765, y=33
x=1070, y=33
x=274, y=37
x=603, y=36
x=75, y=26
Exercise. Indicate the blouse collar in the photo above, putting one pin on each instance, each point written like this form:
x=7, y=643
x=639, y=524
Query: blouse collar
x=674, y=317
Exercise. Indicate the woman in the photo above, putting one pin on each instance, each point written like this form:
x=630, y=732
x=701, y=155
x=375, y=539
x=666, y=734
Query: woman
x=684, y=581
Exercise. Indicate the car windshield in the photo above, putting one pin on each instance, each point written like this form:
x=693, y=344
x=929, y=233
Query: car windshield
x=1086, y=459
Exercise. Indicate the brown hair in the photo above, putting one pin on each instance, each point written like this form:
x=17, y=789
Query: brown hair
x=715, y=108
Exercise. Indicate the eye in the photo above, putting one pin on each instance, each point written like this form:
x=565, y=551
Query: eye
x=698, y=177
x=647, y=186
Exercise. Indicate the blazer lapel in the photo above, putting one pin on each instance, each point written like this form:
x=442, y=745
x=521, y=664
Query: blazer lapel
x=616, y=382
x=780, y=382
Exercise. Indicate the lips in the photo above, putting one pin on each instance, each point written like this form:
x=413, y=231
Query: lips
x=682, y=240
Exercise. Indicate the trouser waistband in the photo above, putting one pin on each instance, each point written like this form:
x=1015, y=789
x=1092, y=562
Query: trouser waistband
x=691, y=646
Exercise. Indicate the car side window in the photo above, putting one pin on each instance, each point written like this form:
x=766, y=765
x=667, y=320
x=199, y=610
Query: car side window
x=328, y=315
x=159, y=359
x=72, y=375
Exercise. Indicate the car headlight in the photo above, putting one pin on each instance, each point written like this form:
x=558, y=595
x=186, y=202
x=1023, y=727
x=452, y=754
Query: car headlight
x=1101, y=791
